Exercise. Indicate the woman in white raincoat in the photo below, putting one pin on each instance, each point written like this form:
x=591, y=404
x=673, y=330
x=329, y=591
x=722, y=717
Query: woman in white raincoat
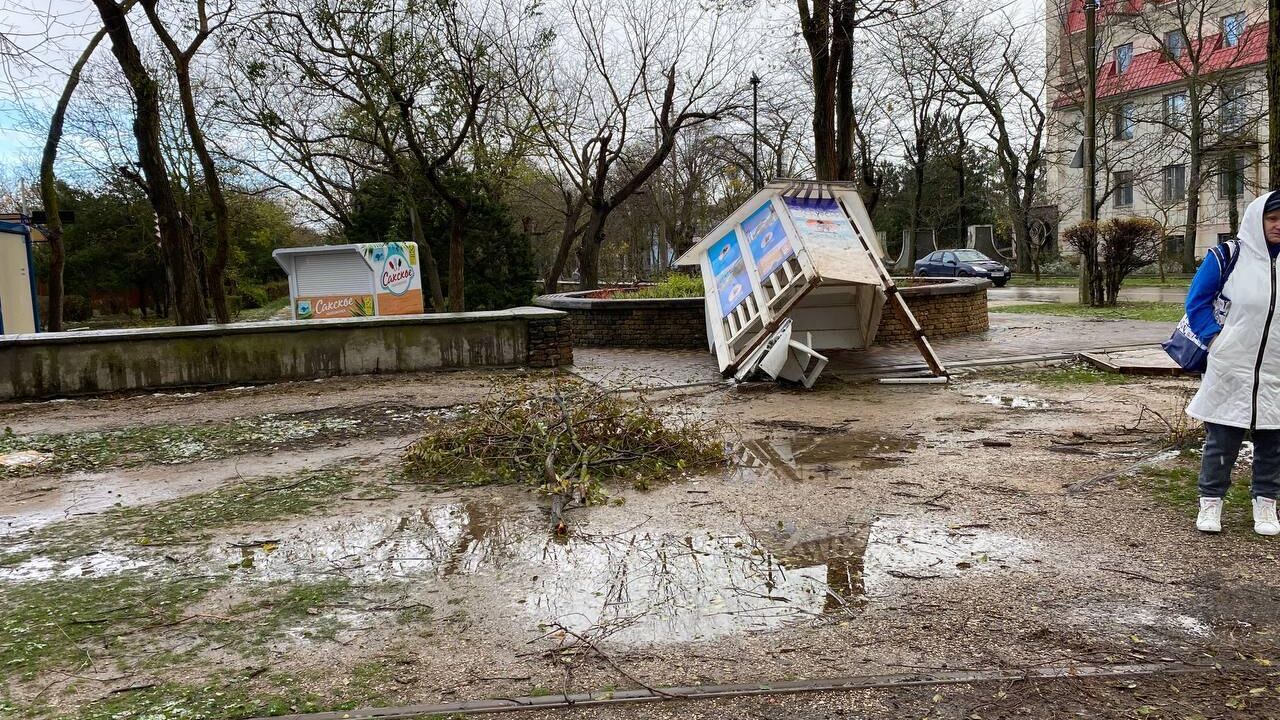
x=1240, y=393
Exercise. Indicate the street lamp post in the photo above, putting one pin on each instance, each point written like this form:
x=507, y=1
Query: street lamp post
x=755, y=132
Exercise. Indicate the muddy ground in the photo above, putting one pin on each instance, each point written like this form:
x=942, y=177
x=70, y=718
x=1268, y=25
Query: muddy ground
x=258, y=551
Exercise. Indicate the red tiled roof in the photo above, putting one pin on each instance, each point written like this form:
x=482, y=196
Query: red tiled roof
x=1151, y=69
x=1075, y=13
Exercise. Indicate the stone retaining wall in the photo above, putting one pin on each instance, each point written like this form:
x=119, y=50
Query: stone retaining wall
x=71, y=363
x=943, y=307
x=621, y=322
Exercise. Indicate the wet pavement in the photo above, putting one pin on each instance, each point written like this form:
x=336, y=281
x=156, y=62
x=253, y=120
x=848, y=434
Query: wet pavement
x=856, y=529
x=1072, y=295
x=1010, y=336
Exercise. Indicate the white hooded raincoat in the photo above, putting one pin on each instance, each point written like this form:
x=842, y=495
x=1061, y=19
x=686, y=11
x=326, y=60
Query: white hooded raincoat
x=1241, y=386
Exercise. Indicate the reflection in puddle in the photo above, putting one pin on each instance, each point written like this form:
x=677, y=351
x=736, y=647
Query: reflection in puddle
x=441, y=540
x=1016, y=402
x=653, y=589
x=45, y=568
x=867, y=451
x=645, y=585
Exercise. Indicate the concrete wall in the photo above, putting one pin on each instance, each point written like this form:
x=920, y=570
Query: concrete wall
x=942, y=306
x=52, y=364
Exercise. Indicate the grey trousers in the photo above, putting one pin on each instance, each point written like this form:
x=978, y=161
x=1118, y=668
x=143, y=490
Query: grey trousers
x=1222, y=446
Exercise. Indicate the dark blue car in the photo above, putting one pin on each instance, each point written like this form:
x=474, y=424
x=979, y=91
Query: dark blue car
x=962, y=263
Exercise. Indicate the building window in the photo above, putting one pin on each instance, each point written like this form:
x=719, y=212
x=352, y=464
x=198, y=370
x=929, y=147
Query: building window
x=1175, y=44
x=1233, y=30
x=1175, y=183
x=1123, y=181
x=1175, y=111
x=1232, y=110
x=1173, y=245
x=1124, y=58
x=1231, y=176
x=1125, y=118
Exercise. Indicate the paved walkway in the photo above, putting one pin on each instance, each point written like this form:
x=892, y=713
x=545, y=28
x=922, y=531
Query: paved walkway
x=1014, y=295
x=1010, y=336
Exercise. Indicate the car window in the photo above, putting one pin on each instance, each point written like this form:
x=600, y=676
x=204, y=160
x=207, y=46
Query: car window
x=971, y=256
x=948, y=257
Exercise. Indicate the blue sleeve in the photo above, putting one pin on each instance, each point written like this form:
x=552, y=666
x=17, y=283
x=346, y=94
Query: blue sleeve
x=1204, y=290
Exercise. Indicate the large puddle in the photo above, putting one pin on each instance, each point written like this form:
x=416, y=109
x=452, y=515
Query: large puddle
x=793, y=456
x=638, y=585
x=612, y=579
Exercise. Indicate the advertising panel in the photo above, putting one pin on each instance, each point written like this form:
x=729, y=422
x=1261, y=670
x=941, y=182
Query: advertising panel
x=398, y=281
x=321, y=307
x=770, y=246
x=730, y=272
x=820, y=221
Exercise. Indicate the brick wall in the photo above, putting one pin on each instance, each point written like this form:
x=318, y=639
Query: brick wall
x=680, y=327
x=550, y=343
x=939, y=315
x=644, y=323
x=942, y=307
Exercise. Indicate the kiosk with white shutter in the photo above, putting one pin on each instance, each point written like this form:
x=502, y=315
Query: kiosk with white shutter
x=360, y=280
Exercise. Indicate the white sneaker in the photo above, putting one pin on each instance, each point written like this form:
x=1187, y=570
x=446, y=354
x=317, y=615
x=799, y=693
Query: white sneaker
x=1210, y=518
x=1264, y=516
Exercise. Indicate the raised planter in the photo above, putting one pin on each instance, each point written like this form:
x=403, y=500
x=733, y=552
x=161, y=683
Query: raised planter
x=944, y=307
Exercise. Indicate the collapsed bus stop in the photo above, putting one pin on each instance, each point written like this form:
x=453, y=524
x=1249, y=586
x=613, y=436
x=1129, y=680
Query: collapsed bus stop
x=795, y=271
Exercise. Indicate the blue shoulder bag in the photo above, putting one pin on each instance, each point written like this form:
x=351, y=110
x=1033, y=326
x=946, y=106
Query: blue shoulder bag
x=1189, y=351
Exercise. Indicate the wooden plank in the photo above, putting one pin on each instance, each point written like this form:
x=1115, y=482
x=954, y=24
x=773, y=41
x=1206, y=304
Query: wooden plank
x=1151, y=362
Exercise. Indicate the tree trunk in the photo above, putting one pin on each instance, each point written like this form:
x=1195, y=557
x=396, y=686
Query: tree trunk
x=432, y=270
x=960, y=178
x=1273, y=94
x=589, y=249
x=551, y=284
x=457, y=258
x=1194, y=161
x=842, y=50
x=815, y=26
x=177, y=242
x=213, y=186
x=1233, y=196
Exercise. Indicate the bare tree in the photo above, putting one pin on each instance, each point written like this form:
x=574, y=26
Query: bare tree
x=622, y=105
x=49, y=185
x=407, y=79
x=828, y=28
x=176, y=237
x=992, y=64
x=206, y=23
x=917, y=108
x=1199, y=58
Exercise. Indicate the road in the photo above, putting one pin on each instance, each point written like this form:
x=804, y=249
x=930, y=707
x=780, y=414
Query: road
x=1069, y=294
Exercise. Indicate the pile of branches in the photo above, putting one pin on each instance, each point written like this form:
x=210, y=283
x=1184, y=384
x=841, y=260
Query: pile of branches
x=568, y=442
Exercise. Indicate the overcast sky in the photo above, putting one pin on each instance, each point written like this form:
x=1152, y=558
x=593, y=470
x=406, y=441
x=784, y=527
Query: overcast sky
x=51, y=33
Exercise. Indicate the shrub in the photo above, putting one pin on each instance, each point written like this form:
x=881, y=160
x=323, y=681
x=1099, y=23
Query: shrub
x=1112, y=251
x=276, y=289
x=675, y=285
x=253, y=296
x=76, y=308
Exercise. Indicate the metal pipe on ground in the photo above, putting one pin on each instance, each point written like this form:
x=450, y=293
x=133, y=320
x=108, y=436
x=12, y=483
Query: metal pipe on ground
x=787, y=687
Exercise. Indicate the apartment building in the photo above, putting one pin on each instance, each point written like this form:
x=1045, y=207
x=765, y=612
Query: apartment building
x=1172, y=75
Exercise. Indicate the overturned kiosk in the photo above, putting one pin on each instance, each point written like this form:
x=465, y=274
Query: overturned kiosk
x=795, y=271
